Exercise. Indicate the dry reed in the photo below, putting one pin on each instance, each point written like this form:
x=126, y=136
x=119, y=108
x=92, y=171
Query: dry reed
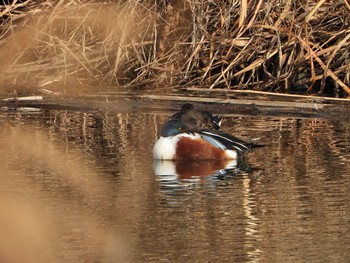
x=281, y=46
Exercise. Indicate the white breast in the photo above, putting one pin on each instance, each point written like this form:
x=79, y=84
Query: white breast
x=165, y=147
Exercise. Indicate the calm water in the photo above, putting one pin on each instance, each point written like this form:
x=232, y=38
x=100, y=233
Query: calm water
x=82, y=187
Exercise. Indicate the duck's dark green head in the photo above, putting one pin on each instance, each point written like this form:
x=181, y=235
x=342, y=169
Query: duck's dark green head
x=173, y=127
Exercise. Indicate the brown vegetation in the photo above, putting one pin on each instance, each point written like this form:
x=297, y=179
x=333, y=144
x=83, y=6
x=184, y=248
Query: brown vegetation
x=282, y=46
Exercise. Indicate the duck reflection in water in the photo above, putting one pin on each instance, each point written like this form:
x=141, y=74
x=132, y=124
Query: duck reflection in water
x=193, y=169
x=194, y=148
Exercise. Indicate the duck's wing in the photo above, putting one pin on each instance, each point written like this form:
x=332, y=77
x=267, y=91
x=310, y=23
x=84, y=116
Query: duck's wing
x=228, y=141
x=217, y=120
x=208, y=120
x=213, y=141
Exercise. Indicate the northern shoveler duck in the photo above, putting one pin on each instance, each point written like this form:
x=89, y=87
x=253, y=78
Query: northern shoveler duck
x=180, y=141
x=197, y=118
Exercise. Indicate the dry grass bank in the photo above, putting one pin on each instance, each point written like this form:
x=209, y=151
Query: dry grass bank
x=281, y=46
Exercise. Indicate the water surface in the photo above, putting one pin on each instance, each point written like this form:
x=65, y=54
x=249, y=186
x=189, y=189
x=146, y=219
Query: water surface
x=80, y=186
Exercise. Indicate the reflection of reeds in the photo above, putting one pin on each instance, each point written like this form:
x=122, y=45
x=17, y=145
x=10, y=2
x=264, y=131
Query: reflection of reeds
x=48, y=191
x=53, y=204
x=57, y=203
x=263, y=45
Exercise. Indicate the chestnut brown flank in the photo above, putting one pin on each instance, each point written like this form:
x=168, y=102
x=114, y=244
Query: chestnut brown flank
x=197, y=149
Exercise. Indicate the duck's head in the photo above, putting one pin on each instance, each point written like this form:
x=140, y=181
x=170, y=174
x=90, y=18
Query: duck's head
x=173, y=127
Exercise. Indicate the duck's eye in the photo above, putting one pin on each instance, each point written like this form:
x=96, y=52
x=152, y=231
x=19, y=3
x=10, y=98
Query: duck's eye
x=179, y=128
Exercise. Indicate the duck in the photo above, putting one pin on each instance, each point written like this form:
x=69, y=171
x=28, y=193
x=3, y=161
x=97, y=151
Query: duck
x=182, y=140
x=197, y=118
